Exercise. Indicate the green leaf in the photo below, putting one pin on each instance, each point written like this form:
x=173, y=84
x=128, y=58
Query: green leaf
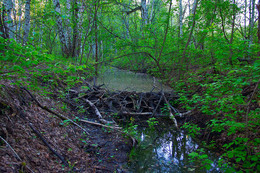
x=238, y=159
x=230, y=155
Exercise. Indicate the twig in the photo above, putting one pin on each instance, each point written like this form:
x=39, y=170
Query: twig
x=16, y=155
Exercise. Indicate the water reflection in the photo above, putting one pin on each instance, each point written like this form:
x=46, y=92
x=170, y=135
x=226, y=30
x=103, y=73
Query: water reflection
x=116, y=79
x=166, y=151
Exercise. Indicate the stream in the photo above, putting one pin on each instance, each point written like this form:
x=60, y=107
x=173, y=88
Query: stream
x=162, y=149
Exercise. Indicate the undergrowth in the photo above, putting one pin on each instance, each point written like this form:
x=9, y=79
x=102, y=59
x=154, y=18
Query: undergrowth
x=230, y=96
x=35, y=69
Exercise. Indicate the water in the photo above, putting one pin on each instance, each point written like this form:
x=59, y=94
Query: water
x=167, y=150
x=122, y=80
x=162, y=150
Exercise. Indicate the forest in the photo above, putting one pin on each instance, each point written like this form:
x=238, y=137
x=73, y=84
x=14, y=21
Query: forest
x=55, y=117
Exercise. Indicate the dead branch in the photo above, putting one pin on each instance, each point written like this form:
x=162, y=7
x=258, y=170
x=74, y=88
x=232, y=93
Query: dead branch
x=102, y=125
x=46, y=143
x=58, y=115
x=184, y=114
x=15, y=154
x=169, y=108
x=100, y=118
x=136, y=113
x=157, y=105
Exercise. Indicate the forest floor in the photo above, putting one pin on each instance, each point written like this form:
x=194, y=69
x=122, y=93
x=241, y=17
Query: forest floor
x=31, y=132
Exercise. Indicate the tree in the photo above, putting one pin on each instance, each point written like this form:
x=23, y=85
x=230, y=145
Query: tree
x=62, y=37
x=8, y=20
x=258, y=31
x=27, y=21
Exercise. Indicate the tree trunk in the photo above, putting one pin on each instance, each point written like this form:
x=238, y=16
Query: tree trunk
x=15, y=21
x=144, y=13
x=20, y=21
x=258, y=30
x=68, y=32
x=8, y=4
x=180, y=17
x=80, y=29
x=75, y=28
x=96, y=38
x=232, y=34
x=27, y=21
x=62, y=37
x=3, y=33
x=184, y=59
x=251, y=21
x=151, y=15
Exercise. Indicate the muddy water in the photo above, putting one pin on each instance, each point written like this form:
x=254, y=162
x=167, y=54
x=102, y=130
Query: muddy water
x=161, y=149
x=122, y=80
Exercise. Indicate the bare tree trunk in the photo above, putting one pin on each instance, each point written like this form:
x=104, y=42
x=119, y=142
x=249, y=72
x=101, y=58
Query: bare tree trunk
x=232, y=34
x=62, y=37
x=80, y=29
x=27, y=21
x=258, y=30
x=15, y=21
x=151, y=15
x=8, y=4
x=251, y=20
x=68, y=31
x=20, y=20
x=184, y=59
x=3, y=31
x=75, y=28
x=126, y=21
x=180, y=17
x=144, y=13
x=245, y=18
x=96, y=38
